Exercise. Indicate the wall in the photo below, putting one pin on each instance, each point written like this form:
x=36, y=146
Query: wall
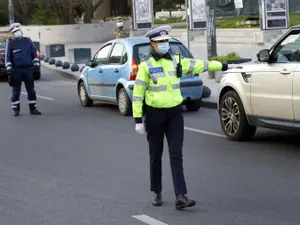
x=76, y=33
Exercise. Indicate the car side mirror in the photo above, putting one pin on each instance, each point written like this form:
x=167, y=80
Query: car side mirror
x=263, y=55
x=90, y=63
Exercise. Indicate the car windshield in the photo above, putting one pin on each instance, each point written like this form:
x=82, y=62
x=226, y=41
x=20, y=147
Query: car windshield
x=2, y=44
x=142, y=51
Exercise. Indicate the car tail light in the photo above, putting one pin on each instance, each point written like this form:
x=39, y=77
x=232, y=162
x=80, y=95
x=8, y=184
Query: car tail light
x=134, y=70
x=38, y=54
x=196, y=75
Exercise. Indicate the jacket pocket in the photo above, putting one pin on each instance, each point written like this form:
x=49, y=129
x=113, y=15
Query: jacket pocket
x=17, y=54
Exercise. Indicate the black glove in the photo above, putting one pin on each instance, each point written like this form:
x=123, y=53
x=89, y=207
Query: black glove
x=10, y=78
x=36, y=67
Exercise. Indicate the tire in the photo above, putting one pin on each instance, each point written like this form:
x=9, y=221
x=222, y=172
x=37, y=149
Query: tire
x=124, y=103
x=193, y=105
x=83, y=96
x=232, y=111
x=37, y=75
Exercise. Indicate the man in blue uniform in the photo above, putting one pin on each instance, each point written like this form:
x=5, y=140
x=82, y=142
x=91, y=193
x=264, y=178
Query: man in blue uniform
x=21, y=56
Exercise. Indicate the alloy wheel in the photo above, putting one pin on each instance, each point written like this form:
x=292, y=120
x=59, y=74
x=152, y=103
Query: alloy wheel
x=122, y=101
x=82, y=94
x=230, y=115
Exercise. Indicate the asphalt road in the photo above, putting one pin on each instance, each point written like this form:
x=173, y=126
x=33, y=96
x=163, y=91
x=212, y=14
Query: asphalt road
x=87, y=166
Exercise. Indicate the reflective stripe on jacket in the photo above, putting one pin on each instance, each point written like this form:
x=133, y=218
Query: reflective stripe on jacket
x=158, y=85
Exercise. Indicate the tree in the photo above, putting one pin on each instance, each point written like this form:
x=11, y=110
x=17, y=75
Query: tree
x=4, y=20
x=67, y=10
x=23, y=10
x=63, y=10
x=90, y=8
x=168, y=5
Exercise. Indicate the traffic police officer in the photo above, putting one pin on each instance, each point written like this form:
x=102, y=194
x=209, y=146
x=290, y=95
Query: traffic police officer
x=157, y=85
x=21, y=55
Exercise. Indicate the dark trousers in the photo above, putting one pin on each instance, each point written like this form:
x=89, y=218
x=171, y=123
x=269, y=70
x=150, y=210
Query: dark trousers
x=169, y=122
x=25, y=75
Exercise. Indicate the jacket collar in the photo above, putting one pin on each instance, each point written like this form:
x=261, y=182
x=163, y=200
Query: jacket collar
x=158, y=57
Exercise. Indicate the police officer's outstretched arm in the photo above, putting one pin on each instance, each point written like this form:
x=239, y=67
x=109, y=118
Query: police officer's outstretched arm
x=196, y=66
x=139, y=90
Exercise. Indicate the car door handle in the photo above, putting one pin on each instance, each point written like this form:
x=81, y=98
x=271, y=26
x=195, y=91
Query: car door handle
x=285, y=72
x=116, y=71
x=100, y=71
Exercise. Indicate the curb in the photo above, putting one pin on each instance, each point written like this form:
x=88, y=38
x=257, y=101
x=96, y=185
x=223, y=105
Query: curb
x=62, y=73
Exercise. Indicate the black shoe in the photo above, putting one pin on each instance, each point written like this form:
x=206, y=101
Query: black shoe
x=157, y=200
x=16, y=110
x=182, y=202
x=33, y=110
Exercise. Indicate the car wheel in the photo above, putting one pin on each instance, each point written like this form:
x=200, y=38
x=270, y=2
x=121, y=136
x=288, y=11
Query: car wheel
x=193, y=105
x=83, y=96
x=124, y=103
x=233, y=118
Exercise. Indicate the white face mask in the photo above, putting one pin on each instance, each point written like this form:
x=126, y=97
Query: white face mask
x=119, y=24
x=18, y=34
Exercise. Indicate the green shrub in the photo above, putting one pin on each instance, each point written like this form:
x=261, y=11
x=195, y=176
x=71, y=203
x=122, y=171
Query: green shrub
x=229, y=56
x=168, y=20
x=43, y=17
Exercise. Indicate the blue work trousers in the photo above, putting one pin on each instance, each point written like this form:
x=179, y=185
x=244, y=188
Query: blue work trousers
x=169, y=122
x=25, y=75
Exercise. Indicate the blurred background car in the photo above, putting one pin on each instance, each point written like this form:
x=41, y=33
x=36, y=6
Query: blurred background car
x=109, y=76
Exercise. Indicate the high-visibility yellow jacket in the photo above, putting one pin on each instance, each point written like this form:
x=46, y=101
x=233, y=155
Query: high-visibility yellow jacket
x=157, y=83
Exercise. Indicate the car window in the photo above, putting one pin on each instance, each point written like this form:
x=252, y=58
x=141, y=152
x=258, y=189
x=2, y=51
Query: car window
x=102, y=55
x=142, y=51
x=117, y=54
x=2, y=44
x=288, y=50
x=124, y=57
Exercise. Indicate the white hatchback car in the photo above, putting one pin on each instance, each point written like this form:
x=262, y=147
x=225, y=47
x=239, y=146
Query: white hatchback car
x=263, y=94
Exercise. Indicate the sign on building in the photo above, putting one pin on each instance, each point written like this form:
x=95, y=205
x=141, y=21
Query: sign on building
x=238, y=4
x=274, y=14
x=197, y=14
x=142, y=14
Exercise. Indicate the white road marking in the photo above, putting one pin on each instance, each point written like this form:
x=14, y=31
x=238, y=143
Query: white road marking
x=205, y=132
x=40, y=96
x=148, y=220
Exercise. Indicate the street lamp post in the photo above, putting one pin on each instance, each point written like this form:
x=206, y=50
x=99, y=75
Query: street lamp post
x=187, y=17
x=11, y=11
x=211, y=29
x=211, y=32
